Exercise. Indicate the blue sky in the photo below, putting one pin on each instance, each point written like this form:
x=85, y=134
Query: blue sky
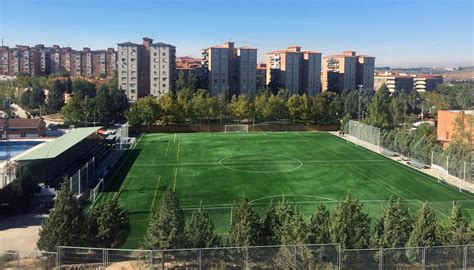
x=398, y=32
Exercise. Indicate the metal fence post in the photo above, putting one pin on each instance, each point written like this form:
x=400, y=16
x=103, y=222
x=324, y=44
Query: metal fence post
x=151, y=260
x=464, y=261
x=200, y=259
x=295, y=257
x=17, y=259
x=339, y=254
x=381, y=259
x=104, y=258
x=423, y=258
x=247, y=258
x=58, y=258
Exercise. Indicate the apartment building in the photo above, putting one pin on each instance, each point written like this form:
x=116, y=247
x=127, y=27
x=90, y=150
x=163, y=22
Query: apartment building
x=311, y=73
x=229, y=70
x=445, y=127
x=296, y=70
x=162, y=69
x=5, y=57
x=346, y=71
x=146, y=69
x=246, y=71
x=395, y=82
x=423, y=83
x=130, y=65
x=261, y=75
x=365, y=68
x=189, y=65
x=42, y=60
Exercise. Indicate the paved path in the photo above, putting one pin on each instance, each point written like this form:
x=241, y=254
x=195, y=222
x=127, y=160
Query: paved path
x=451, y=180
x=18, y=111
x=20, y=233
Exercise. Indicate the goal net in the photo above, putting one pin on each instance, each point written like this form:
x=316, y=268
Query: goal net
x=94, y=193
x=236, y=128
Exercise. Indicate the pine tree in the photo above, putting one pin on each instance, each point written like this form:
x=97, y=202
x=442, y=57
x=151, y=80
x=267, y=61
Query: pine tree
x=393, y=228
x=349, y=225
x=68, y=85
x=199, y=230
x=425, y=229
x=293, y=230
x=166, y=228
x=318, y=227
x=109, y=224
x=245, y=225
x=275, y=216
x=56, y=96
x=457, y=230
x=65, y=224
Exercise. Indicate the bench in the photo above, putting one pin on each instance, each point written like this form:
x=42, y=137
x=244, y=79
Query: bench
x=417, y=164
x=388, y=153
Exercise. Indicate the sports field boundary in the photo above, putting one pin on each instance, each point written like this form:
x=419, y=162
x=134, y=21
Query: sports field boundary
x=451, y=181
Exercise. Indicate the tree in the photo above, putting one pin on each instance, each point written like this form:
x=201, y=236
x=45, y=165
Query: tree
x=393, y=228
x=425, y=229
x=457, y=231
x=350, y=225
x=25, y=98
x=37, y=97
x=82, y=88
x=110, y=224
x=21, y=190
x=319, y=110
x=273, y=222
x=199, y=230
x=378, y=114
x=73, y=112
x=144, y=111
x=242, y=107
x=166, y=228
x=103, y=106
x=245, y=227
x=65, y=224
x=299, y=108
x=119, y=103
x=68, y=85
x=56, y=96
x=318, y=227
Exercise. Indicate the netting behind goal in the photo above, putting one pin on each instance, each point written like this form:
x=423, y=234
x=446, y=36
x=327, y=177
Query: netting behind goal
x=363, y=132
x=236, y=128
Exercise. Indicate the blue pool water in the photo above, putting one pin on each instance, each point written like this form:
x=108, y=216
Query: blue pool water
x=16, y=147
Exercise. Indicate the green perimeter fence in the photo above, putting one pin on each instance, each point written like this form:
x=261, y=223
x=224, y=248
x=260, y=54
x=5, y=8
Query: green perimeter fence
x=329, y=256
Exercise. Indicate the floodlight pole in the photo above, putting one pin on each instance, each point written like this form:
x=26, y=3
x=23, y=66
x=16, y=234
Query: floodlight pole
x=359, y=106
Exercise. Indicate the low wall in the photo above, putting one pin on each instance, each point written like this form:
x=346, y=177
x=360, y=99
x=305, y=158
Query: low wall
x=221, y=128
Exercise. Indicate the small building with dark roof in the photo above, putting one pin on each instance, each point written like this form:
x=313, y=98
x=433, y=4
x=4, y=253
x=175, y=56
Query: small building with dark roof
x=22, y=128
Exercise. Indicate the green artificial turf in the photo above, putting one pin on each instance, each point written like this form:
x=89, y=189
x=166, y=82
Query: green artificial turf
x=305, y=168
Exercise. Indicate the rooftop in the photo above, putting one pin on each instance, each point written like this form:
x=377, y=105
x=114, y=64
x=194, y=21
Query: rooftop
x=22, y=123
x=60, y=145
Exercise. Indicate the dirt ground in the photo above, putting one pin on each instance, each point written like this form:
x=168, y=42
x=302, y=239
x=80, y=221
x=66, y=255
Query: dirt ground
x=20, y=233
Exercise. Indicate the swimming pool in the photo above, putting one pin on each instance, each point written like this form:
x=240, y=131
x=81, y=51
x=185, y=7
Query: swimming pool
x=16, y=147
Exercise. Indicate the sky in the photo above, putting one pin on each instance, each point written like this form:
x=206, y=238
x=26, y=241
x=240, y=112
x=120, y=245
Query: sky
x=399, y=33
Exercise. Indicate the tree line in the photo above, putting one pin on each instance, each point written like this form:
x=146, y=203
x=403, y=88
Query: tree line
x=107, y=225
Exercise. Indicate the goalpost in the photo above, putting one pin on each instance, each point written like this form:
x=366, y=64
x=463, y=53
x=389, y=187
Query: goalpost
x=236, y=128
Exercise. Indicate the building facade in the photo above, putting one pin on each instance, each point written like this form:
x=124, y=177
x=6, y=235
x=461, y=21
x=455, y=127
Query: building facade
x=43, y=61
x=425, y=83
x=347, y=71
x=394, y=82
x=146, y=69
x=261, y=75
x=229, y=70
x=247, y=71
x=162, y=69
x=446, y=125
x=296, y=70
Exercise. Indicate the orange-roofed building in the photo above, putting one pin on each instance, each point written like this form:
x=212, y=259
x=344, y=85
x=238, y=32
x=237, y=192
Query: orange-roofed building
x=446, y=124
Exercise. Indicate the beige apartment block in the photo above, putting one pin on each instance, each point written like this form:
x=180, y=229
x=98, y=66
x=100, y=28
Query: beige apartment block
x=129, y=61
x=162, y=69
x=346, y=71
x=395, y=82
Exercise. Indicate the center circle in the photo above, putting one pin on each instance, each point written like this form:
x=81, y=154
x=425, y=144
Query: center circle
x=260, y=163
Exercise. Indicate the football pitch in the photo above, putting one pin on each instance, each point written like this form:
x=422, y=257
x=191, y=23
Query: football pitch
x=304, y=168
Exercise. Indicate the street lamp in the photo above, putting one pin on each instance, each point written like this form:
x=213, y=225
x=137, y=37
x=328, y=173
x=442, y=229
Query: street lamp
x=359, y=110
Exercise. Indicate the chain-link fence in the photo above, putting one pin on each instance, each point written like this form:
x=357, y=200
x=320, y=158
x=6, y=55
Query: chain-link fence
x=368, y=136
x=81, y=180
x=38, y=260
x=327, y=257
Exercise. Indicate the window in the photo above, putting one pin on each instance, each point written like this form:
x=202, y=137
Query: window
x=164, y=85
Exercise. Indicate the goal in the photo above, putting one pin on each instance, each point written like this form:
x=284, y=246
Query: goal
x=94, y=193
x=236, y=128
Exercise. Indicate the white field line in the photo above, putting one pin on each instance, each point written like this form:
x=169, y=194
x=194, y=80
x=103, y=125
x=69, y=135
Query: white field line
x=255, y=162
x=154, y=197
